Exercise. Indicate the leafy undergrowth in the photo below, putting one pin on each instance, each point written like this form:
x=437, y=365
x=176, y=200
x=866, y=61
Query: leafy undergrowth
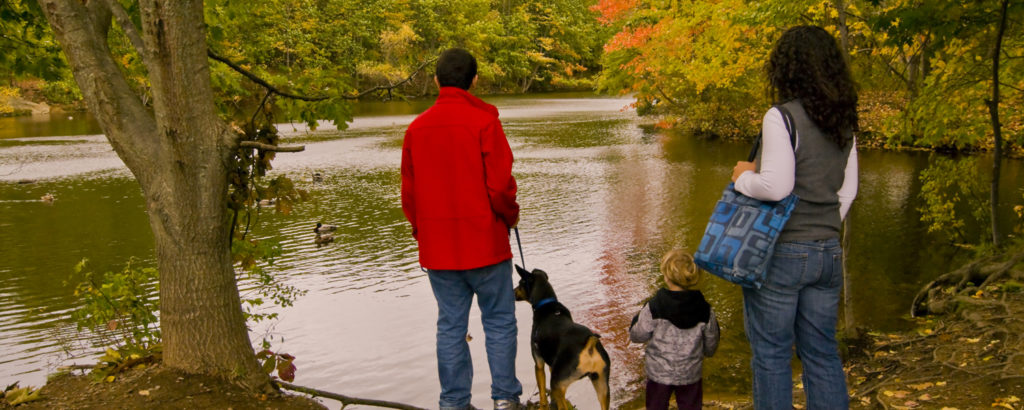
x=157, y=387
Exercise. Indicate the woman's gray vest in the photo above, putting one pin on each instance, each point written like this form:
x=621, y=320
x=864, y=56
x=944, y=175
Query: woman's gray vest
x=820, y=171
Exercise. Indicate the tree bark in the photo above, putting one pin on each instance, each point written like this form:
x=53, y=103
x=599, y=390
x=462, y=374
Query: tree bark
x=179, y=152
x=844, y=30
x=993, y=109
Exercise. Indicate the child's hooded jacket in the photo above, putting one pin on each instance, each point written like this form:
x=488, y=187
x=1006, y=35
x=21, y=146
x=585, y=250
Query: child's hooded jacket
x=681, y=330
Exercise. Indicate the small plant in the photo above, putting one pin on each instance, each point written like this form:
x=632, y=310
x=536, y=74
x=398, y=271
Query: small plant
x=282, y=363
x=121, y=307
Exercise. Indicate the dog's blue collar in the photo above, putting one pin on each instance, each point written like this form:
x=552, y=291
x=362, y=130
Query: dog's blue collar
x=543, y=302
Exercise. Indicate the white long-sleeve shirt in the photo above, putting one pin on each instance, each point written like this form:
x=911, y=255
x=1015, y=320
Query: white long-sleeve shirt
x=778, y=167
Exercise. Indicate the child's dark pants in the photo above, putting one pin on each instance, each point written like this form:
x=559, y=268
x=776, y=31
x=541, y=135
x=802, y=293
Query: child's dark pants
x=688, y=396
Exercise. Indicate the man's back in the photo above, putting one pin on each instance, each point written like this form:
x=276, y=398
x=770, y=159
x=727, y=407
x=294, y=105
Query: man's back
x=457, y=188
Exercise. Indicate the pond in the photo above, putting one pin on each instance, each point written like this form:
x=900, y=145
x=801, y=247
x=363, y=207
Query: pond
x=602, y=196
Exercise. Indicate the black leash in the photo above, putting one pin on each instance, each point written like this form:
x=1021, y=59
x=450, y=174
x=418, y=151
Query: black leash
x=520, y=243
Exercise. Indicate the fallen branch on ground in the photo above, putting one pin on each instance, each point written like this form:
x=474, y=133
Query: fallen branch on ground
x=345, y=400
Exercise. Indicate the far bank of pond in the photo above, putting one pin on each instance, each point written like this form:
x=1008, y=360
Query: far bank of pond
x=603, y=198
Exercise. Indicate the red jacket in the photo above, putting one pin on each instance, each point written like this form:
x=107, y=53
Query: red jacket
x=457, y=186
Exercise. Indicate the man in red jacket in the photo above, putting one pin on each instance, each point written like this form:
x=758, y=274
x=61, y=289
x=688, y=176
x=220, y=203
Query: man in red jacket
x=460, y=197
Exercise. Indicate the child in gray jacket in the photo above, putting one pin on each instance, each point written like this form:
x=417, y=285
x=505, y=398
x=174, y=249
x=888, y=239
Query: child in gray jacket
x=681, y=330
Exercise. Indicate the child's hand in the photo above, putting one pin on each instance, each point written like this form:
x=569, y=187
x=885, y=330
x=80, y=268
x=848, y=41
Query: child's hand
x=740, y=168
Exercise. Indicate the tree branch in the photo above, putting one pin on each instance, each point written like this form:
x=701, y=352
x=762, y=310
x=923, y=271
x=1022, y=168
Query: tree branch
x=260, y=107
x=345, y=400
x=81, y=29
x=269, y=147
x=395, y=85
x=274, y=90
x=123, y=20
x=256, y=79
x=1010, y=86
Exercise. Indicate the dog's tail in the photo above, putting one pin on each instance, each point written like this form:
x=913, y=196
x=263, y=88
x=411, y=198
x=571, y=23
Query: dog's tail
x=591, y=346
x=592, y=360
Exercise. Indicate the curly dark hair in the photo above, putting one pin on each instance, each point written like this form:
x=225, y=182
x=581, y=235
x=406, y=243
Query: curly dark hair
x=807, y=64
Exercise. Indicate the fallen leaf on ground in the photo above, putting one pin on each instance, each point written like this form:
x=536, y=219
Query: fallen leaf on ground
x=922, y=386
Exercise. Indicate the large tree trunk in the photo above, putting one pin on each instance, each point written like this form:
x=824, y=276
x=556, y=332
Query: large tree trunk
x=179, y=152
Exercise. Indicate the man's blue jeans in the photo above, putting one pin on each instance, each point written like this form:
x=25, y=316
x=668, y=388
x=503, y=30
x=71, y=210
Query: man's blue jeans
x=798, y=304
x=454, y=292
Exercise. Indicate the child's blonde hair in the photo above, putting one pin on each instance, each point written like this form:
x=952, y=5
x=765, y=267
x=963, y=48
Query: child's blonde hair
x=679, y=269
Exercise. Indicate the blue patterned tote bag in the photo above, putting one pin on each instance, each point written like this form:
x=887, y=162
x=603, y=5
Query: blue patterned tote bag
x=740, y=237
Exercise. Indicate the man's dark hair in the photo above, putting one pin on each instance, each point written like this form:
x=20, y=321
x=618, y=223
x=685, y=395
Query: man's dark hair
x=456, y=68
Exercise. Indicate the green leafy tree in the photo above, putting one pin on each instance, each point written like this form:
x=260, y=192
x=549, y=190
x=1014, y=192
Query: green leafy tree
x=28, y=44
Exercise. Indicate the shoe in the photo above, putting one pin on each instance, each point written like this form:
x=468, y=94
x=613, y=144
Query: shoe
x=505, y=404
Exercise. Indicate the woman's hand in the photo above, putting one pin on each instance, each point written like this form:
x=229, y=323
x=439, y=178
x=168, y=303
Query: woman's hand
x=741, y=167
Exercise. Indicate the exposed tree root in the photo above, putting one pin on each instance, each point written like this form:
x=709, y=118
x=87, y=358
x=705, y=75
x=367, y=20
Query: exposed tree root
x=965, y=280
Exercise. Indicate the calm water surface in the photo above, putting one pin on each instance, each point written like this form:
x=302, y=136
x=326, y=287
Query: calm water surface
x=602, y=199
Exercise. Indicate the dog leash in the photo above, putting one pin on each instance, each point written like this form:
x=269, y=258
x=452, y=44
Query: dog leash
x=520, y=243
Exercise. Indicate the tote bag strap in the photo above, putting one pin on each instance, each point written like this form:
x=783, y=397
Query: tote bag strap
x=787, y=119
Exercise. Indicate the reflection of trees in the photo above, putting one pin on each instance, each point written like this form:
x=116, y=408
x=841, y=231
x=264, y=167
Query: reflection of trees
x=102, y=220
x=955, y=201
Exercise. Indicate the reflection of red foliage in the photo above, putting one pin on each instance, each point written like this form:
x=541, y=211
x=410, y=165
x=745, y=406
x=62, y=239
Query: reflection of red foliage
x=632, y=212
x=664, y=124
x=624, y=291
x=612, y=10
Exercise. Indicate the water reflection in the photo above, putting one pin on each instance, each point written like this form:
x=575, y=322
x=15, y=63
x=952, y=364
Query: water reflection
x=602, y=200
x=55, y=124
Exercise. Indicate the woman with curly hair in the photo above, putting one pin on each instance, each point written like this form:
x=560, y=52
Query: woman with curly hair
x=799, y=302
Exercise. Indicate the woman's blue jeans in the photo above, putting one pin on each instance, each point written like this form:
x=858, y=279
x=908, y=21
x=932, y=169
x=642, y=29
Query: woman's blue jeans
x=798, y=305
x=454, y=290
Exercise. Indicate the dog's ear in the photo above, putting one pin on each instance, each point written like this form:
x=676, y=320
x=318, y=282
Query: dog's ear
x=522, y=272
x=541, y=274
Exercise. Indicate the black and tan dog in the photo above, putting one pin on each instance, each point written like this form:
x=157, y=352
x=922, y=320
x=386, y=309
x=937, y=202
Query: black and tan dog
x=570, y=349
